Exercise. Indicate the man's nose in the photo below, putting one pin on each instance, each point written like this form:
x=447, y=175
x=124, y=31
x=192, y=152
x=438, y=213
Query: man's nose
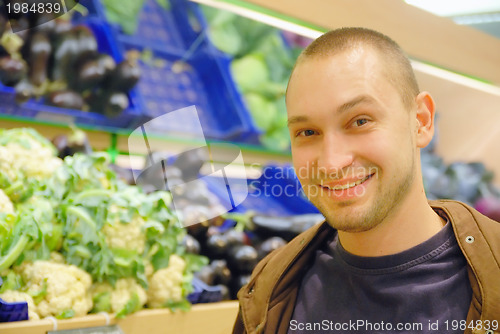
x=335, y=155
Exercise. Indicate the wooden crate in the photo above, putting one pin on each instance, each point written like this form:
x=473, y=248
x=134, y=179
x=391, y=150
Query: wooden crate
x=215, y=318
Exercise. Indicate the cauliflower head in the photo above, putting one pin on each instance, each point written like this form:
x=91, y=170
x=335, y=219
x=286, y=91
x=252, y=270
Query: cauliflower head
x=13, y=296
x=125, y=235
x=6, y=205
x=115, y=299
x=165, y=285
x=38, y=161
x=67, y=287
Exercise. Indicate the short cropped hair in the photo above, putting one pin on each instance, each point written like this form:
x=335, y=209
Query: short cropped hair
x=399, y=70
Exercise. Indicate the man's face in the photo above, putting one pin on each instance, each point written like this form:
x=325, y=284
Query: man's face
x=353, y=140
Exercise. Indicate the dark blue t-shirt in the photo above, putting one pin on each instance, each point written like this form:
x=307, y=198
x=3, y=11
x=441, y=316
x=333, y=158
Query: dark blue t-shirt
x=424, y=289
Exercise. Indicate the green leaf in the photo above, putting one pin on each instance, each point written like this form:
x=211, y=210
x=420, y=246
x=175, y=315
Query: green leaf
x=182, y=305
x=66, y=314
x=132, y=305
x=101, y=302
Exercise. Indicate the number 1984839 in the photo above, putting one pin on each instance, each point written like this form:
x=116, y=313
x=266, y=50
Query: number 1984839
x=35, y=8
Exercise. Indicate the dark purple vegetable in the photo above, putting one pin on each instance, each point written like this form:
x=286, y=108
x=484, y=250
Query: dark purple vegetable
x=217, y=246
x=206, y=274
x=221, y=272
x=12, y=70
x=92, y=72
x=489, y=206
x=114, y=104
x=65, y=99
x=39, y=52
x=76, y=142
x=269, y=246
x=242, y=259
x=66, y=49
x=24, y=91
x=125, y=76
x=191, y=244
x=237, y=283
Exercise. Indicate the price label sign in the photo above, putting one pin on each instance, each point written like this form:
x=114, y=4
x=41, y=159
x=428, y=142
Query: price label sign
x=112, y=329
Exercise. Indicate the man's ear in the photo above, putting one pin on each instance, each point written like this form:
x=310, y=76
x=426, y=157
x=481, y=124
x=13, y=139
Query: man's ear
x=425, y=119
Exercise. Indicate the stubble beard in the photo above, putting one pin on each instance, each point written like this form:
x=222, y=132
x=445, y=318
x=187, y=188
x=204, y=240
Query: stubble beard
x=348, y=218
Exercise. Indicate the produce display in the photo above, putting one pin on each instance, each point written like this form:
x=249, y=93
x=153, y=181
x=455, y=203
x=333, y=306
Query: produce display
x=261, y=65
x=59, y=63
x=77, y=239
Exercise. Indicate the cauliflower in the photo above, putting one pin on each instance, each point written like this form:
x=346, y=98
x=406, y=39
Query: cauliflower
x=166, y=284
x=37, y=161
x=125, y=235
x=123, y=292
x=6, y=168
x=26, y=151
x=67, y=287
x=6, y=205
x=12, y=296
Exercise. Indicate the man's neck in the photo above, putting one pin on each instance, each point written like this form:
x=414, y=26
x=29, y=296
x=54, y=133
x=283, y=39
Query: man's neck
x=409, y=225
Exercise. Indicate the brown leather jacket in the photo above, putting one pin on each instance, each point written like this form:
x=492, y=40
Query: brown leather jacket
x=267, y=302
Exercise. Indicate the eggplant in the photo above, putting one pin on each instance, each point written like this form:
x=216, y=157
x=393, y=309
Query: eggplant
x=65, y=52
x=92, y=72
x=114, y=104
x=12, y=70
x=206, y=274
x=269, y=246
x=217, y=246
x=286, y=227
x=191, y=245
x=242, y=259
x=124, y=77
x=87, y=43
x=68, y=145
x=237, y=283
x=222, y=274
x=65, y=99
x=38, y=55
x=236, y=238
x=24, y=91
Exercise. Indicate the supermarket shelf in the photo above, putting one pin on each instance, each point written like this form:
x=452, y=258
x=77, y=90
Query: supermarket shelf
x=119, y=141
x=216, y=318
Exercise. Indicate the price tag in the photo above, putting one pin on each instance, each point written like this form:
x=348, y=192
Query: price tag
x=112, y=329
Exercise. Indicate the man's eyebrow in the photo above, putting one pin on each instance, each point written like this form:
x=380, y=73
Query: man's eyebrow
x=343, y=108
x=297, y=119
x=354, y=102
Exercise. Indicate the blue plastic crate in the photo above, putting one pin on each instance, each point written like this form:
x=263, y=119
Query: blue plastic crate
x=38, y=110
x=170, y=82
x=13, y=311
x=173, y=29
x=277, y=192
x=204, y=293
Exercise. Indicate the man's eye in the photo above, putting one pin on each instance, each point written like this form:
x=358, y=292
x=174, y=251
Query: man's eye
x=306, y=133
x=360, y=122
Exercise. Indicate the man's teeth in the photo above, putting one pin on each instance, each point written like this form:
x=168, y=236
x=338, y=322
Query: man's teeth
x=349, y=185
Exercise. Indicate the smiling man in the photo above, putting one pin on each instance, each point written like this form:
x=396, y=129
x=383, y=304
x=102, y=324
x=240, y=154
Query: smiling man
x=386, y=259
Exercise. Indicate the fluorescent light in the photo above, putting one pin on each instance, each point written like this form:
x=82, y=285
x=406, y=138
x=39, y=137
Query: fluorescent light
x=267, y=19
x=456, y=7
